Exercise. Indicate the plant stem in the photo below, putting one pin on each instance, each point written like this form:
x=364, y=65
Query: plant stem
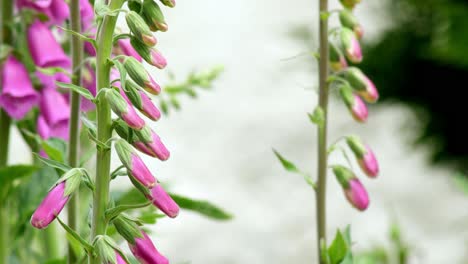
x=104, y=125
x=51, y=239
x=322, y=134
x=6, y=13
x=74, y=133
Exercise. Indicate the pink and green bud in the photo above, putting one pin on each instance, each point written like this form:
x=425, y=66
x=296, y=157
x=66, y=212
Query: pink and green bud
x=144, y=251
x=354, y=103
x=18, y=96
x=365, y=156
x=119, y=259
x=124, y=110
x=362, y=84
x=337, y=60
x=351, y=45
x=141, y=77
x=134, y=164
x=131, y=95
x=354, y=191
x=124, y=47
x=163, y=201
x=143, y=103
x=350, y=3
x=153, y=143
x=169, y=3
x=139, y=28
x=150, y=55
x=151, y=13
x=40, y=39
x=347, y=19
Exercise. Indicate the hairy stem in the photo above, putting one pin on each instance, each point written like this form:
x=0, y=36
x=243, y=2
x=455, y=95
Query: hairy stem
x=322, y=134
x=104, y=123
x=74, y=133
x=6, y=13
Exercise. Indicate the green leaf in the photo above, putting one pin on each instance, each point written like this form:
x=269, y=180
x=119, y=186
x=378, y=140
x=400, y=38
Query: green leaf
x=317, y=117
x=81, y=90
x=205, y=208
x=55, y=148
x=90, y=125
x=83, y=37
x=89, y=248
x=287, y=165
x=52, y=163
x=53, y=70
x=14, y=172
x=461, y=181
x=338, y=249
x=324, y=15
x=115, y=211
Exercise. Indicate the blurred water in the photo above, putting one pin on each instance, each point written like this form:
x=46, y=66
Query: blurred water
x=221, y=146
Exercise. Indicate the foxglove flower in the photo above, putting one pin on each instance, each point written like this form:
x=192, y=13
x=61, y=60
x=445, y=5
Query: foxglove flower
x=169, y=3
x=86, y=14
x=50, y=207
x=56, y=113
x=355, y=105
x=140, y=29
x=354, y=191
x=347, y=19
x=152, y=142
x=88, y=80
x=362, y=84
x=151, y=13
x=141, y=101
x=163, y=201
x=351, y=45
x=150, y=55
x=365, y=156
x=44, y=48
x=337, y=60
x=57, y=10
x=145, y=251
x=124, y=110
x=124, y=47
x=18, y=95
x=141, y=77
x=134, y=164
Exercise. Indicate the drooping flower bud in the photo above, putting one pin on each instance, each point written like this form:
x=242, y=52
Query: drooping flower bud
x=153, y=143
x=347, y=19
x=18, y=95
x=350, y=3
x=154, y=16
x=163, y=201
x=44, y=48
x=144, y=250
x=134, y=164
x=169, y=3
x=139, y=28
x=354, y=103
x=150, y=55
x=107, y=250
x=56, y=199
x=141, y=77
x=145, y=105
x=351, y=45
x=337, y=60
x=124, y=110
x=362, y=84
x=131, y=95
x=124, y=47
x=123, y=131
x=352, y=187
x=365, y=156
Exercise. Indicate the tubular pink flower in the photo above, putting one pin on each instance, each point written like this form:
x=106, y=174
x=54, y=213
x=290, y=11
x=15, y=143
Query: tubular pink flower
x=357, y=194
x=45, y=50
x=89, y=82
x=125, y=48
x=148, y=108
x=145, y=251
x=124, y=110
x=134, y=164
x=369, y=163
x=50, y=207
x=55, y=111
x=56, y=10
x=157, y=147
x=359, y=110
x=87, y=14
x=351, y=45
x=18, y=95
x=370, y=94
x=157, y=59
x=163, y=201
x=152, y=87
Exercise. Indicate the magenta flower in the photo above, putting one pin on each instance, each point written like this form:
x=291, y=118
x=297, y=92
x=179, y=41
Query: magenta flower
x=148, y=108
x=18, y=95
x=370, y=94
x=369, y=163
x=361, y=84
x=151, y=144
x=163, y=201
x=125, y=48
x=44, y=48
x=50, y=207
x=337, y=60
x=351, y=45
x=89, y=82
x=354, y=103
x=157, y=59
x=55, y=111
x=152, y=87
x=357, y=195
x=169, y=3
x=87, y=14
x=134, y=164
x=56, y=10
x=119, y=259
x=124, y=110
x=88, y=47
x=145, y=251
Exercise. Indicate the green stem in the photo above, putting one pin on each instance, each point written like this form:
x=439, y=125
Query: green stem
x=104, y=126
x=51, y=238
x=6, y=16
x=322, y=135
x=77, y=58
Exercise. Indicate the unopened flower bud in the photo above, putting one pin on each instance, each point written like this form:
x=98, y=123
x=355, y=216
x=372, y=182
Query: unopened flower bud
x=124, y=47
x=134, y=164
x=351, y=45
x=153, y=16
x=163, y=201
x=350, y=3
x=144, y=250
x=347, y=19
x=124, y=110
x=354, y=103
x=362, y=84
x=365, y=156
x=150, y=55
x=352, y=187
x=153, y=143
x=141, y=77
x=169, y=3
x=337, y=60
x=139, y=28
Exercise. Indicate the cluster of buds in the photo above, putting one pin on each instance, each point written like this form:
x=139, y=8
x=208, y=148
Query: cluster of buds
x=355, y=88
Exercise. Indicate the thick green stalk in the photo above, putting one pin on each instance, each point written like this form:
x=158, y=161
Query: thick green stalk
x=104, y=125
x=74, y=133
x=322, y=134
x=6, y=16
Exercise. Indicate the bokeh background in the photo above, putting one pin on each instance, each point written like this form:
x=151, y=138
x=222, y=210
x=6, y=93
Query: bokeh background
x=221, y=144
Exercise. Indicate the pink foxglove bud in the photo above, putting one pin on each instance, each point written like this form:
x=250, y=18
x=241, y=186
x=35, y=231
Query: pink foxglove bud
x=56, y=112
x=163, y=201
x=350, y=3
x=134, y=164
x=153, y=16
x=50, y=207
x=150, y=55
x=44, y=48
x=348, y=20
x=354, y=103
x=145, y=251
x=139, y=28
x=351, y=45
x=337, y=60
x=124, y=110
x=364, y=155
x=18, y=95
x=141, y=77
x=362, y=84
x=124, y=47
x=352, y=187
x=169, y=3
x=119, y=259
x=144, y=104
x=153, y=143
